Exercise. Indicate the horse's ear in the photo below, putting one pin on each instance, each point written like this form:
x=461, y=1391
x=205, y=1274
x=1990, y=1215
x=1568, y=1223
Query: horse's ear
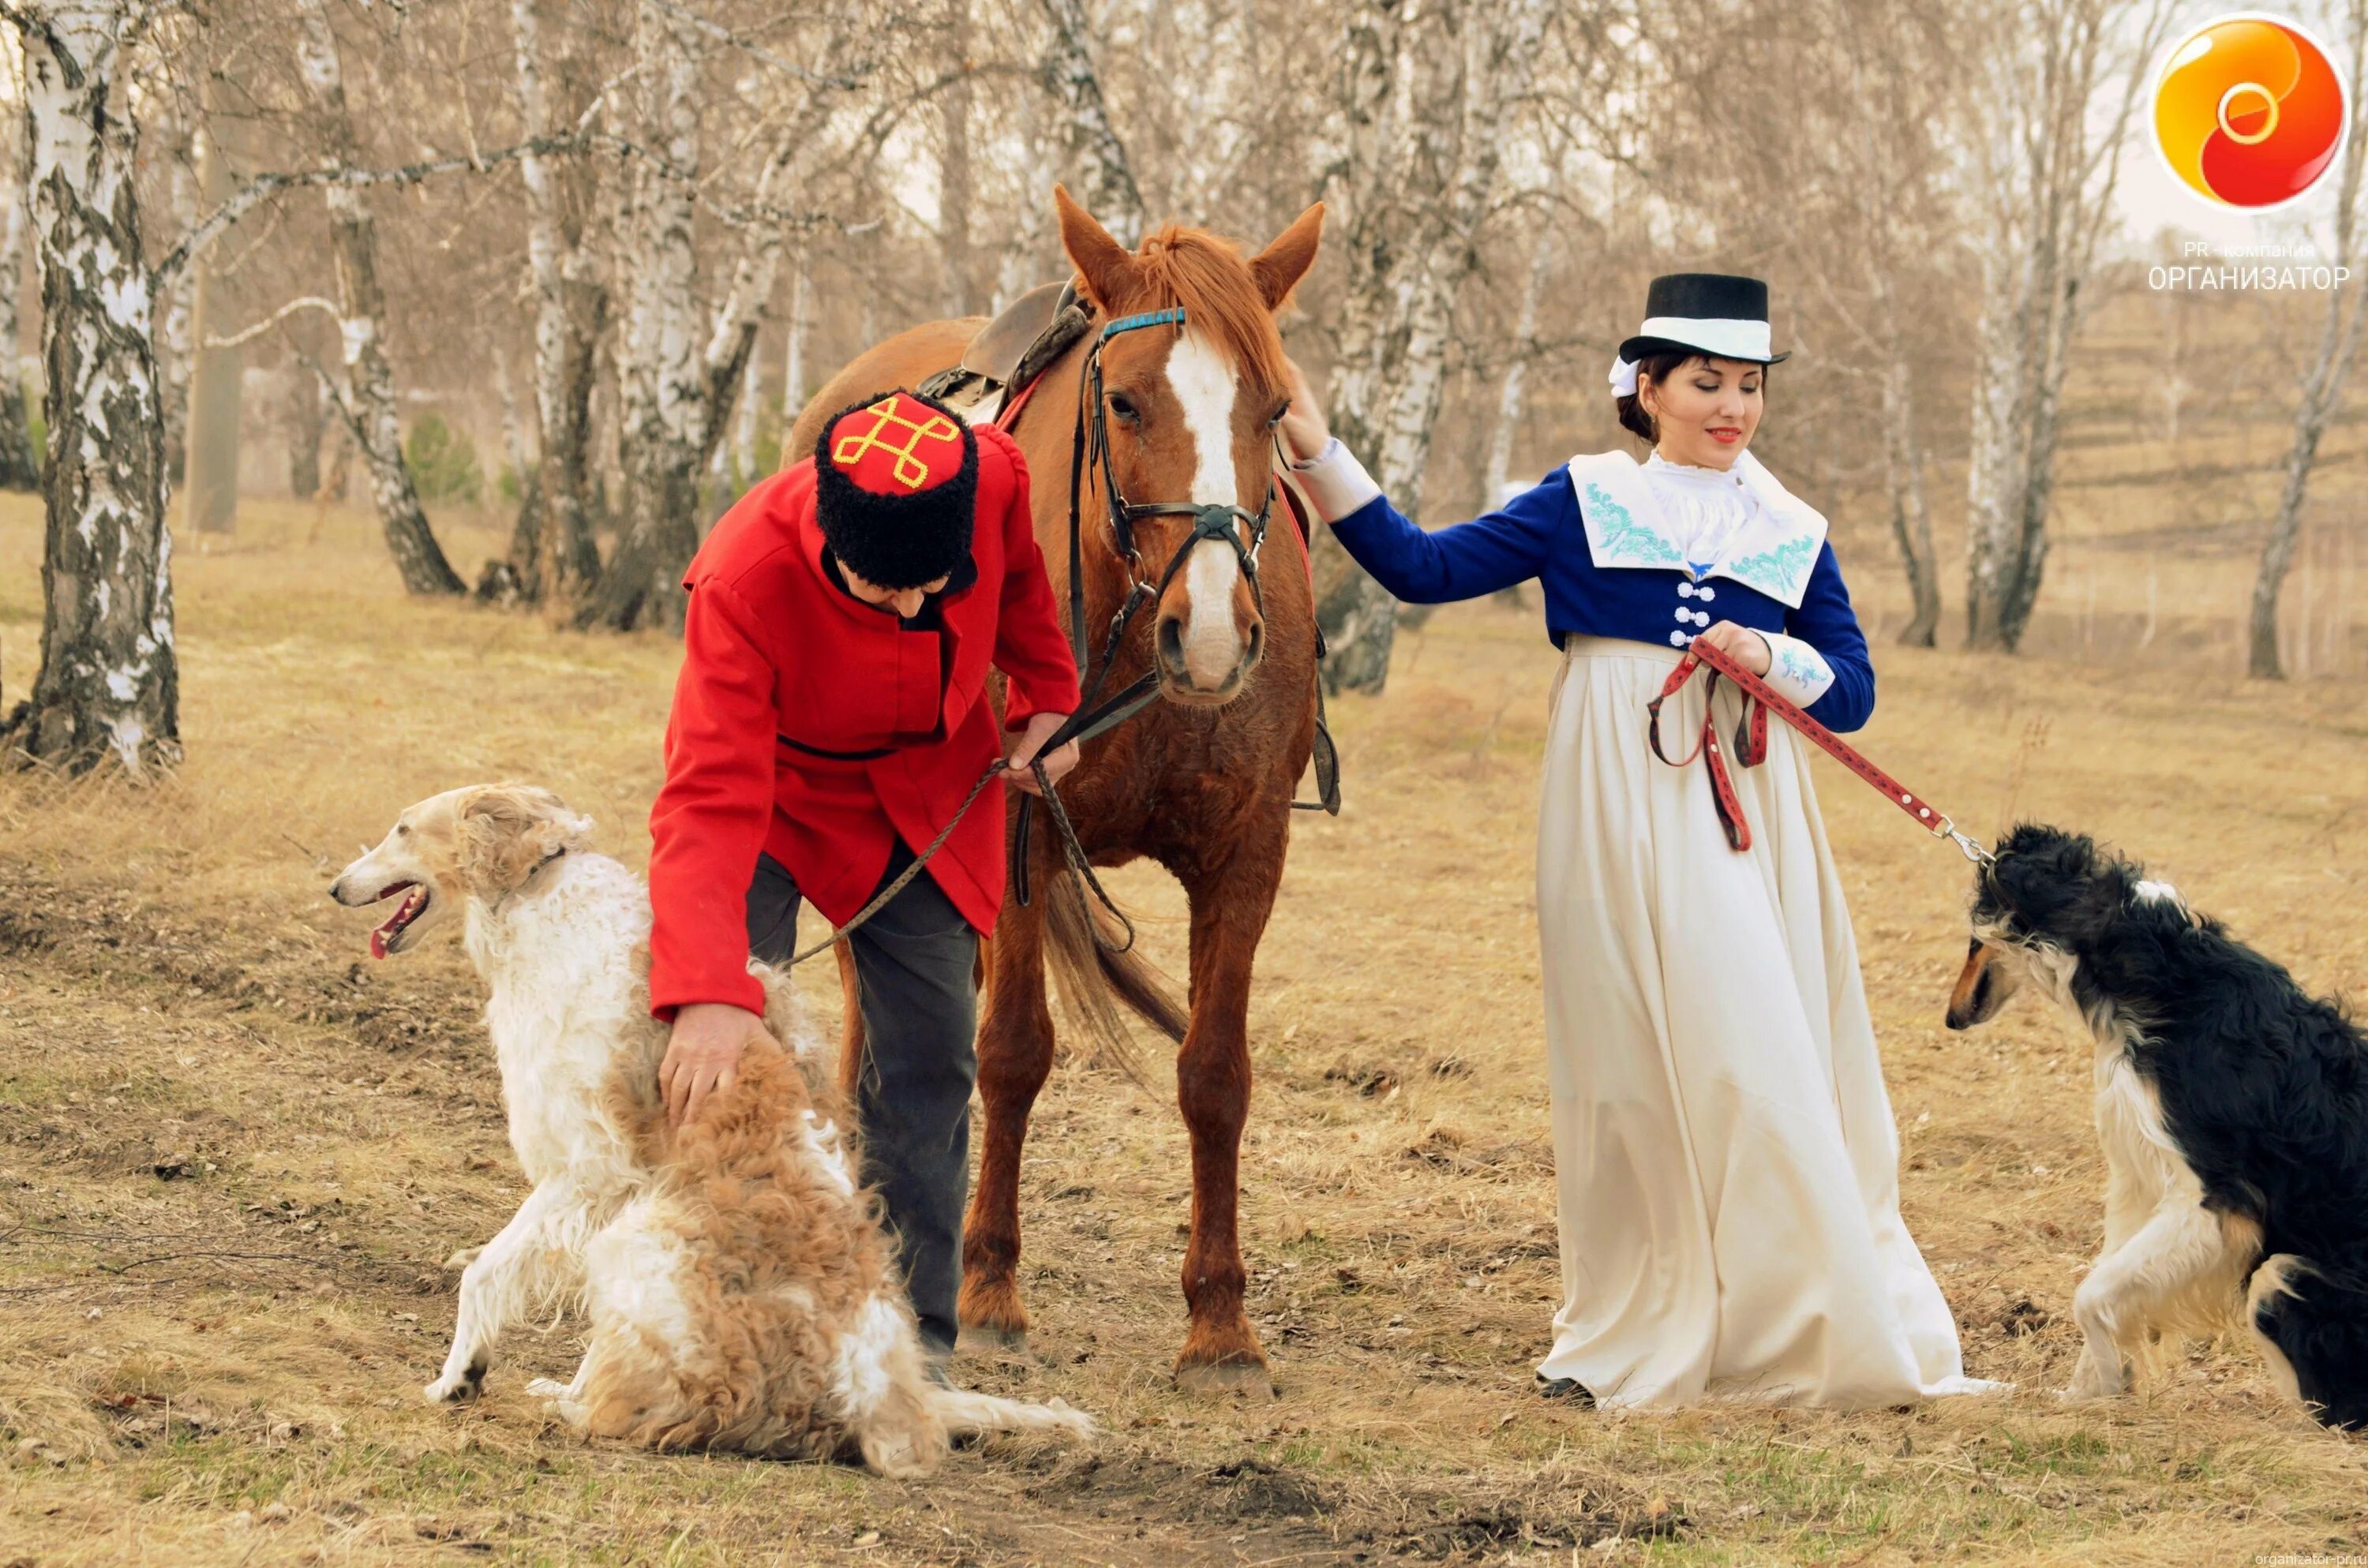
x=1281, y=264
x=1106, y=266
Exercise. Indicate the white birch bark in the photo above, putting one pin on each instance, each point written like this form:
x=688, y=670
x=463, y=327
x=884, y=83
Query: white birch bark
x=743, y=423
x=2322, y=389
x=1105, y=175
x=1512, y=391
x=216, y=380
x=365, y=397
x=793, y=357
x=2046, y=169
x=20, y=468
x=175, y=338
x=107, y=692
x=954, y=193
x=1426, y=120
x=557, y=556
x=678, y=377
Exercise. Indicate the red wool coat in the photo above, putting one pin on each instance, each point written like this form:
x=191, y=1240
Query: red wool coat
x=774, y=652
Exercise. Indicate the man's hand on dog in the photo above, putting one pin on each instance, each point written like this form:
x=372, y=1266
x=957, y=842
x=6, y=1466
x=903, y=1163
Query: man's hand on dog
x=1031, y=740
x=703, y=1055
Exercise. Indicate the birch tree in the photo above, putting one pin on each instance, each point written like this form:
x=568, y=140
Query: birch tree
x=2322, y=387
x=1495, y=472
x=954, y=184
x=1105, y=174
x=176, y=342
x=1875, y=212
x=1426, y=99
x=2044, y=164
x=553, y=552
x=364, y=395
x=21, y=469
x=108, y=690
x=676, y=373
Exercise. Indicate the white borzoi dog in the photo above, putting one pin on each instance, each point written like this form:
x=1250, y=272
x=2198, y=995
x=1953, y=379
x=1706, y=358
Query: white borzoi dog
x=2232, y=1107
x=740, y=1290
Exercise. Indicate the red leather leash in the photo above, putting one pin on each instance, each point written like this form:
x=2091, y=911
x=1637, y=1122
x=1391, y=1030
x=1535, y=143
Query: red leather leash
x=1751, y=748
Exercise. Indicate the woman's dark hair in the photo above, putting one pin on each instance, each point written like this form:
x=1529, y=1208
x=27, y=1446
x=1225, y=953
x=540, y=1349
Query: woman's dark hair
x=1656, y=369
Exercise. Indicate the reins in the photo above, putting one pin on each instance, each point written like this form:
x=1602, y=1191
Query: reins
x=1090, y=443
x=1751, y=748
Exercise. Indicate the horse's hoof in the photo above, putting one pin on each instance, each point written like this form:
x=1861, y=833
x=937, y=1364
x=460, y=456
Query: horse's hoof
x=992, y=1339
x=1227, y=1378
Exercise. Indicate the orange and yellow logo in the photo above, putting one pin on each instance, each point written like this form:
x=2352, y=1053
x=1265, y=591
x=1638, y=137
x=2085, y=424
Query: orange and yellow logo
x=2249, y=112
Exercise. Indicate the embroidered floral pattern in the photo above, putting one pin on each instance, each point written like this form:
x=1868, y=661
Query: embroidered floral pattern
x=1805, y=670
x=1778, y=570
x=1623, y=535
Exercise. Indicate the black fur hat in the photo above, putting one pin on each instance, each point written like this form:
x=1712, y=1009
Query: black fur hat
x=895, y=480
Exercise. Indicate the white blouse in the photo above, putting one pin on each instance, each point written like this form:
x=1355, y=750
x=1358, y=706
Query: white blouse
x=1703, y=507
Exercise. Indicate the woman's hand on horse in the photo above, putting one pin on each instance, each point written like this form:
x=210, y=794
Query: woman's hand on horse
x=1742, y=645
x=1304, y=431
x=1057, y=762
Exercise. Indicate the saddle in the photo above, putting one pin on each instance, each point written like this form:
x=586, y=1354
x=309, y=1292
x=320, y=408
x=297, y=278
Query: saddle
x=1012, y=350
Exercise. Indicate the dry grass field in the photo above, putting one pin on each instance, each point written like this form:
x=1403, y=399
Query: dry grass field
x=232, y=1151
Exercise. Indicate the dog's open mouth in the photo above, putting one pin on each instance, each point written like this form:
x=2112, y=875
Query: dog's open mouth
x=413, y=905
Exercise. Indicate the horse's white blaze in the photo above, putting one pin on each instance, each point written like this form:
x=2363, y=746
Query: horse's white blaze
x=1204, y=379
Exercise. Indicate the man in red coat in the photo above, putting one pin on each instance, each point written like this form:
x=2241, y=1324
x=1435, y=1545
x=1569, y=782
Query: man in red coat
x=829, y=719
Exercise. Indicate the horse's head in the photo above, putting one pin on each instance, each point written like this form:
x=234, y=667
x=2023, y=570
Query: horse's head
x=1191, y=417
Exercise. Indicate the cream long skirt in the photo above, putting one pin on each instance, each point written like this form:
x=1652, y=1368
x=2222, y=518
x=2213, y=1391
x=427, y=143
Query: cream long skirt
x=1725, y=1160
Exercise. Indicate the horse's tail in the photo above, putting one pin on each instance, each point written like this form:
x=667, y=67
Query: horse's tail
x=1082, y=944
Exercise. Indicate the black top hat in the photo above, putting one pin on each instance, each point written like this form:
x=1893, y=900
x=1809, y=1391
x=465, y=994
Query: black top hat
x=1699, y=312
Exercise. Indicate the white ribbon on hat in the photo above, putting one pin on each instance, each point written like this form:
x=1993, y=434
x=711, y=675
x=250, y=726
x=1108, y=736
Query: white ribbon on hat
x=1727, y=337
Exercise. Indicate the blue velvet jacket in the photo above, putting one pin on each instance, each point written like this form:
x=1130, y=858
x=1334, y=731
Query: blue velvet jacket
x=1608, y=573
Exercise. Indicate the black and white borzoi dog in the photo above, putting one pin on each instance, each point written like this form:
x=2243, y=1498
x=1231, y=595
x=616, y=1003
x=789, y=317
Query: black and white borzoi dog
x=2233, y=1110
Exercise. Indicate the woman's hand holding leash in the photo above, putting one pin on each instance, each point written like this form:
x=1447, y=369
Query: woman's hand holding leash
x=1741, y=643
x=702, y=1056
x=1018, y=769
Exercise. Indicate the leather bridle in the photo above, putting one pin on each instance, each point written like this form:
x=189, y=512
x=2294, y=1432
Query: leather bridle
x=1242, y=530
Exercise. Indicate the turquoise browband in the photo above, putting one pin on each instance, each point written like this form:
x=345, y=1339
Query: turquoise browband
x=1148, y=318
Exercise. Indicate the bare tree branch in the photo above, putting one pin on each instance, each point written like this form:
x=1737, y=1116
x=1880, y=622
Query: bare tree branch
x=264, y=187
x=307, y=303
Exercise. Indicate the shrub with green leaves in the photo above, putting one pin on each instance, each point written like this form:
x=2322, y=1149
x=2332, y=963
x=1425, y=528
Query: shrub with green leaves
x=442, y=461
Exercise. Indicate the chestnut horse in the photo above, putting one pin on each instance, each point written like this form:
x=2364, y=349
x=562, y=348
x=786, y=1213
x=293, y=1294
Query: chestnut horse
x=1201, y=781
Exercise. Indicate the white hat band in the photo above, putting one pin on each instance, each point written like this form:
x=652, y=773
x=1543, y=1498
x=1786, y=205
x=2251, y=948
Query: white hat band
x=1727, y=337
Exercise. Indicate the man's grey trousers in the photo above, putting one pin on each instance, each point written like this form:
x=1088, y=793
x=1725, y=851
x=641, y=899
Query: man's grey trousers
x=914, y=967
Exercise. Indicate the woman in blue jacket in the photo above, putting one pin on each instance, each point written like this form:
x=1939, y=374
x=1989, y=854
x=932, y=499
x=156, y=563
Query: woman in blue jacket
x=1726, y=1160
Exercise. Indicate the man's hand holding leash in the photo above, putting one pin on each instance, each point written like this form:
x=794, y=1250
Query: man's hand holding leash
x=1017, y=769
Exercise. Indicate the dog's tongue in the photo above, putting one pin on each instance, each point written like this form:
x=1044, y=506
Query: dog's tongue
x=378, y=944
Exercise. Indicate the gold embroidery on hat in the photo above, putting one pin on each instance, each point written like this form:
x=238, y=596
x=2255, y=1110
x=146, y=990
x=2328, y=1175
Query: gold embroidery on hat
x=848, y=450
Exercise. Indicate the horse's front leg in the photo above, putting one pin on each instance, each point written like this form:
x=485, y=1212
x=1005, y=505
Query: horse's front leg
x=1015, y=1057
x=1213, y=1087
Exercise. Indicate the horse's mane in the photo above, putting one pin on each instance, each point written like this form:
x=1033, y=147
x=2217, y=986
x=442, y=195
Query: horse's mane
x=1206, y=275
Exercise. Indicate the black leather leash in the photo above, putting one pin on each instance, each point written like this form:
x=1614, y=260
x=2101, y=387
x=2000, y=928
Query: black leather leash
x=1071, y=848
